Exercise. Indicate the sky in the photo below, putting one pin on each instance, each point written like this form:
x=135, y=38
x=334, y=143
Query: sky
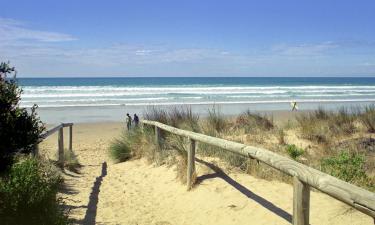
x=90, y=38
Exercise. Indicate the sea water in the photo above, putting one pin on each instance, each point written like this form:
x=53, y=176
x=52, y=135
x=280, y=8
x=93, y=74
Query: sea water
x=107, y=99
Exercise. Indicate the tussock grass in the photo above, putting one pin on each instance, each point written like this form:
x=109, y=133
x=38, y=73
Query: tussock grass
x=367, y=118
x=71, y=161
x=215, y=122
x=322, y=129
x=322, y=125
x=252, y=121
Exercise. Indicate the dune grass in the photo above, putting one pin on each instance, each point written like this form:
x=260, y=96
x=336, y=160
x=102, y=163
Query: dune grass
x=325, y=128
x=71, y=161
x=367, y=118
x=250, y=121
x=120, y=149
x=322, y=125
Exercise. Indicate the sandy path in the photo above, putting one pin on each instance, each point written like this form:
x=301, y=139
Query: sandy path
x=137, y=193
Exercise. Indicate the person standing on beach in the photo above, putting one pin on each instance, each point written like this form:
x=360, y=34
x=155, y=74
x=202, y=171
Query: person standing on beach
x=294, y=105
x=128, y=121
x=136, y=120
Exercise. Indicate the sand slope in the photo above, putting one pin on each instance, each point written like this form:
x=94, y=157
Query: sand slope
x=135, y=192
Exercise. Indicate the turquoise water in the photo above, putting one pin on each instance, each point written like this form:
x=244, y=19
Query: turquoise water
x=108, y=99
x=72, y=92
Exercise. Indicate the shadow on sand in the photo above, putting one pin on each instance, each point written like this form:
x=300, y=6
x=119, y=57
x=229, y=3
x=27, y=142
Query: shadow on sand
x=94, y=197
x=251, y=195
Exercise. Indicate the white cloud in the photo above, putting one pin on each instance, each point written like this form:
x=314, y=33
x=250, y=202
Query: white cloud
x=304, y=49
x=13, y=30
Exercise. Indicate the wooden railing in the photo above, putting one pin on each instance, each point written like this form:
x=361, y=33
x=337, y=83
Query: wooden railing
x=60, y=140
x=304, y=177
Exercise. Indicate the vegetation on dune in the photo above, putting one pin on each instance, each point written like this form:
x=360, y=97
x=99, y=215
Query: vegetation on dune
x=28, y=184
x=368, y=118
x=215, y=122
x=120, y=150
x=319, y=128
x=294, y=152
x=20, y=129
x=321, y=125
x=252, y=121
x=70, y=161
x=28, y=194
x=348, y=166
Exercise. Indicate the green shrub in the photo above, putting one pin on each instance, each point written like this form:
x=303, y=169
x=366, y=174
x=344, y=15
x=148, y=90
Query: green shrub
x=294, y=152
x=19, y=130
x=346, y=166
x=28, y=194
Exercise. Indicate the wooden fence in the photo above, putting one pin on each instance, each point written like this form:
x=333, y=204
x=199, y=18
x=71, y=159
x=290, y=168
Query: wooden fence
x=304, y=177
x=60, y=140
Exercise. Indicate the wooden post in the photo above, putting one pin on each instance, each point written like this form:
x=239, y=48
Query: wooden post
x=191, y=165
x=157, y=136
x=61, y=147
x=71, y=137
x=301, y=202
x=36, y=151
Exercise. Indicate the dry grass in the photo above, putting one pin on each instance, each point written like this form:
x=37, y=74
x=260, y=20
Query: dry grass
x=325, y=128
x=367, y=118
x=254, y=122
x=322, y=126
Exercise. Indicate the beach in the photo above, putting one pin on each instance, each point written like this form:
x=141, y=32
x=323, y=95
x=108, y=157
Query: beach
x=137, y=192
x=141, y=192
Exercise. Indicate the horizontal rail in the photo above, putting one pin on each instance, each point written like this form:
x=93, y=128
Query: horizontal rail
x=352, y=195
x=55, y=129
x=51, y=131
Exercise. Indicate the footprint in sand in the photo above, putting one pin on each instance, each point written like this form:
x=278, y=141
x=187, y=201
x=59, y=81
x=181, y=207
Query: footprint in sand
x=163, y=223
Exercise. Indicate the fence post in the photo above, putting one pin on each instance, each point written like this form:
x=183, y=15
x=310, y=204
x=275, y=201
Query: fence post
x=191, y=165
x=61, y=147
x=157, y=136
x=36, y=150
x=301, y=202
x=71, y=137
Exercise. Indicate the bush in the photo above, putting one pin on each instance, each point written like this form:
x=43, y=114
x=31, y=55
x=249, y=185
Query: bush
x=294, y=152
x=28, y=194
x=346, y=166
x=19, y=130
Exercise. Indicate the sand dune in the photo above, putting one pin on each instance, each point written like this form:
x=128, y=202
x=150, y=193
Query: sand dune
x=135, y=192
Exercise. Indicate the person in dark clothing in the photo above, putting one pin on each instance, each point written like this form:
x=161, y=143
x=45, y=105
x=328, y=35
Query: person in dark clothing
x=128, y=121
x=136, y=120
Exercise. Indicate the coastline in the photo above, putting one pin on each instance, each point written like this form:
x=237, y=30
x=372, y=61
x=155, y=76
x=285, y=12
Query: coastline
x=95, y=114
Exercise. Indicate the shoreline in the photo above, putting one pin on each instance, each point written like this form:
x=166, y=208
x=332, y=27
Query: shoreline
x=117, y=113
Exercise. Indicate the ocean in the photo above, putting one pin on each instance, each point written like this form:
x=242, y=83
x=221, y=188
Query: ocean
x=94, y=99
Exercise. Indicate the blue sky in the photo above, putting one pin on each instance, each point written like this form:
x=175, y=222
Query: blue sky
x=188, y=38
